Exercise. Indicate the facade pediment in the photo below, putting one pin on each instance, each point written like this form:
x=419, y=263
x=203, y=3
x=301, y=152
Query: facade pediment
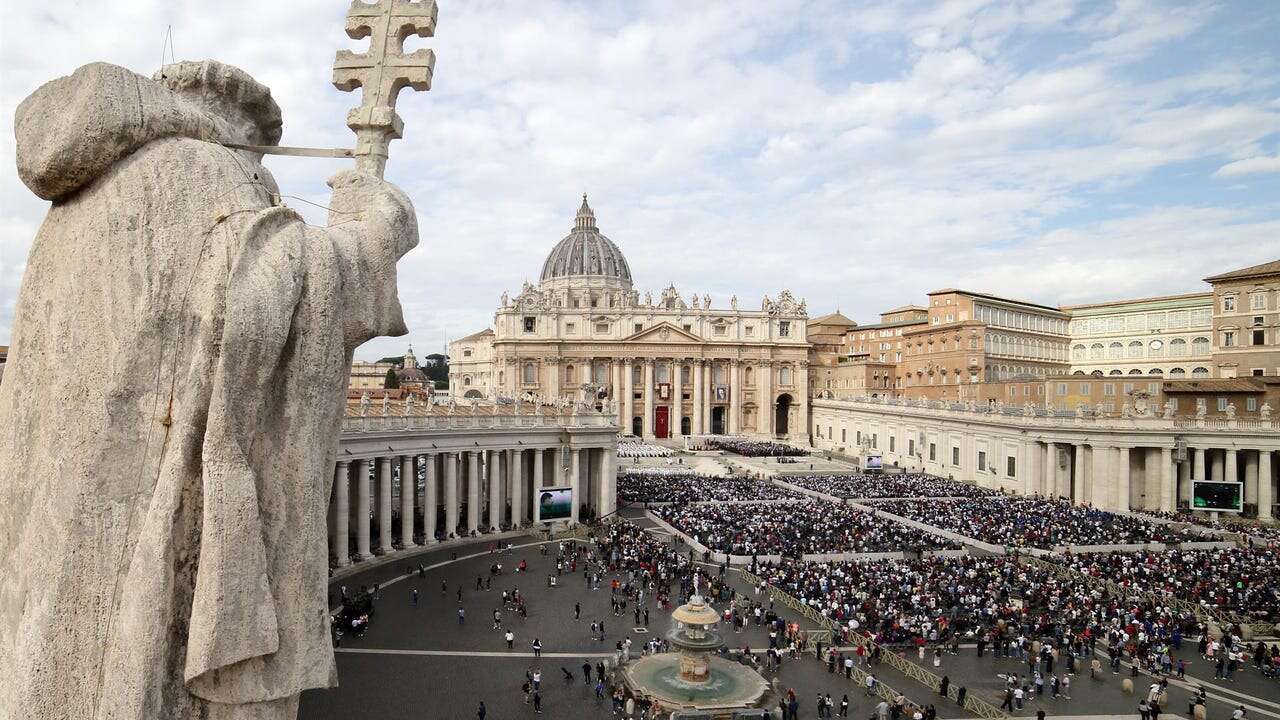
x=664, y=333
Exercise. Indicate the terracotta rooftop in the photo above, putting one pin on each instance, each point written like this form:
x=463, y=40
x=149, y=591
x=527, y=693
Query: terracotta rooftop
x=835, y=318
x=1266, y=268
x=1214, y=385
x=475, y=335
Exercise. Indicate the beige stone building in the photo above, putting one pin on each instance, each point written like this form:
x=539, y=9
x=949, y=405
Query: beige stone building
x=667, y=365
x=1163, y=336
x=471, y=365
x=1246, y=321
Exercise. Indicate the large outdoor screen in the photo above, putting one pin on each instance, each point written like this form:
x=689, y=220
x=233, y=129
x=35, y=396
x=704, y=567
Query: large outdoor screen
x=555, y=503
x=1217, y=496
x=874, y=462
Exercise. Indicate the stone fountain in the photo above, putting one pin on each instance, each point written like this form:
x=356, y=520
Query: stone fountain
x=693, y=677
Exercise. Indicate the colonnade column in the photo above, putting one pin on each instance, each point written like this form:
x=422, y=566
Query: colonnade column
x=1232, y=474
x=699, y=397
x=766, y=398
x=408, y=488
x=1048, y=478
x=647, y=390
x=615, y=392
x=735, y=405
x=342, y=513
x=384, y=505
x=1184, y=481
x=1250, y=477
x=708, y=377
x=677, y=399
x=429, y=502
x=362, y=510
x=515, y=472
x=494, y=468
x=1265, y=497
x=1123, y=480
x=539, y=457
x=575, y=482
x=473, y=491
x=1151, y=479
x=628, y=397
x=1197, y=472
x=1031, y=470
x=608, y=482
x=1100, y=490
x=451, y=461
x=1166, y=479
x=1077, y=475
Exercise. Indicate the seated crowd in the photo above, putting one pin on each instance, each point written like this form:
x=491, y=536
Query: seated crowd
x=669, y=485
x=752, y=448
x=1035, y=522
x=1269, y=533
x=794, y=528
x=967, y=598
x=903, y=485
x=1244, y=581
x=632, y=448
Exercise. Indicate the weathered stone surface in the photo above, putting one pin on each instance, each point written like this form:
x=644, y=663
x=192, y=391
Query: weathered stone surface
x=171, y=402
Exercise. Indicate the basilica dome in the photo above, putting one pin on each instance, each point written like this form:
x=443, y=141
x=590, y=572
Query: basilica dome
x=585, y=253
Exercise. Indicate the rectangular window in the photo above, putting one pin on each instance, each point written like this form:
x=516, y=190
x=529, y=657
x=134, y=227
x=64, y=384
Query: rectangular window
x=639, y=327
x=719, y=330
x=843, y=435
x=1085, y=389
x=1228, y=304
x=784, y=328
x=1011, y=466
x=1222, y=404
x=750, y=330
x=911, y=448
x=1258, y=301
x=688, y=327
x=1108, y=389
x=1128, y=388
x=529, y=323
x=1259, y=337
x=933, y=452
x=1251, y=404
x=602, y=328
x=570, y=328
x=1228, y=339
x=1062, y=388
x=875, y=438
x=891, y=443
x=1258, y=372
x=982, y=461
x=955, y=456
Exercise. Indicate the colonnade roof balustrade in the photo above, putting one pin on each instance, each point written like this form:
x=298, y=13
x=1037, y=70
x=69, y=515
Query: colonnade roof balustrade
x=502, y=415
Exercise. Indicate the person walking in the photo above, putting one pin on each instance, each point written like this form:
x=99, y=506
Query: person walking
x=537, y=702
x=462, y=615
x=481, y=712
x=413, y=597
x=577, y=611
x=1144, y=710
x=1007, y=703
x=586, y=672
x=537, y=648
x=844, y=706
x=510, y=638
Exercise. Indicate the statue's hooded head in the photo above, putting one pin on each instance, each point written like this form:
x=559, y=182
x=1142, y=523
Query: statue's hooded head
x=74, y=129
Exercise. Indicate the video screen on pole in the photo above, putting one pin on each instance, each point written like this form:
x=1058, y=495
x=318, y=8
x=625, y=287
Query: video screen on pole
x=874, y=462
x=555, y=503
x=1217, y=496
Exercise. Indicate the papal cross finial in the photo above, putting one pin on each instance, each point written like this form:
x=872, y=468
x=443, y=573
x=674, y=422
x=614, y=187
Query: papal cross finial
x=383, y=71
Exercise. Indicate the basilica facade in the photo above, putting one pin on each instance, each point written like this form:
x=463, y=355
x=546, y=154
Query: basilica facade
x=669, y=365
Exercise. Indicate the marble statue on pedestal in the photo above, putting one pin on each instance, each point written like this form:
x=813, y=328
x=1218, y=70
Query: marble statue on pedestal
x=162, y=508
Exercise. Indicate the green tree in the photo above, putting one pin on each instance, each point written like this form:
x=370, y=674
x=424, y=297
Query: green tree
x=392, y=382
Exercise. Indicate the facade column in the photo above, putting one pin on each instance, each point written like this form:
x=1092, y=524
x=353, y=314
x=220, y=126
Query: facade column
x=1077, y=475
x=1197, y=472
x=408, y=489
x=1232, y=474
x=801, y=375
x=430, y=503
x=766, y=398
x=1151, y=479
x=451, y=462
x=1251, y=477
x=1100, y=491
x=708, y=397
x=539, y=458
x=1216, y=462
x=699, y=397
x=473, y=491
x=1031, y=470
x=384, y=505
x=1124, y=481
x=608, y=481
x=1265, y=496
x=628, y=399
x=1048, y=477
x=735, y=392
x=515, y=473
x=494, y=468
x=677, y=400
x=647, y=390
x=615, y=392
x=342, y=513
x=575, y=482
x=1166, y=479
x=362, y=510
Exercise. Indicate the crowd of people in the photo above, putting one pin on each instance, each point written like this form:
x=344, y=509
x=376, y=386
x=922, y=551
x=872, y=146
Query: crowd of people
x=631, y=448
x=1268, y=533
x=794, y=528
x=752, y=448
x=903, y=485
x=683, y=486
x=1244, y=581
x=1036, y=522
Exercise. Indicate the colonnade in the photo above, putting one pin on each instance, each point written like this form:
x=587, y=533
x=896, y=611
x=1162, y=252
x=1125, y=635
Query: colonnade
x=423, y=497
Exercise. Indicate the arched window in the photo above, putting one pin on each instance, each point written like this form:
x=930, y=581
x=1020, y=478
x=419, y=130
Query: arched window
x=749, y=376
x=1095, y=351
x=1155, y=348
x=1177, y=372
x=1096, y=373
x=1135, y=371
x=1177, y=347
x=1078, y=372
x=1077, y=352
x=1116, y=372
x=530, y=374
x=1200, y=346
x=1156, y=371
x=1135, y=349
x=1200, y=372
x=569, y=374
x=1115, y=350
x=466, y=380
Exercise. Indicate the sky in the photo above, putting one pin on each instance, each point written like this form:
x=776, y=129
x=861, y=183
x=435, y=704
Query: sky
x=859, y=154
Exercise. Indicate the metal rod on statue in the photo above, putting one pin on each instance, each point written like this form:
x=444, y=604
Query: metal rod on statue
x=383, y=71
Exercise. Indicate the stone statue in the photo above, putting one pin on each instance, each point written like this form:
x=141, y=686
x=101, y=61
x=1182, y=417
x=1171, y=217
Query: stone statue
x=706, y=301
x=1168, y=410
x=648, y=299
x=1201, y=409
x=1265, y=411
x=733, y=302
x=1099, y=410
x=1048, y=408
x=1028, y=409
x=1126, y=410
x=386, y=404
x=365, y=404
x=1080, y=411
x=163, y=554
x=408, y=405
x=506, y=299
x=1231, y=411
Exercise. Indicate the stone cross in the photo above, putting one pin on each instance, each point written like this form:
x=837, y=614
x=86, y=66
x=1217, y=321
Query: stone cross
x=383, y=71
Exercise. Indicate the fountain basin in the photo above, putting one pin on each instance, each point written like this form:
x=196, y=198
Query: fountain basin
x=728, y=685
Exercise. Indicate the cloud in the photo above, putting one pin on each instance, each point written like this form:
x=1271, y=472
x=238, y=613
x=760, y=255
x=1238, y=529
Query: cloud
x=1250, y=166
x=858, y=153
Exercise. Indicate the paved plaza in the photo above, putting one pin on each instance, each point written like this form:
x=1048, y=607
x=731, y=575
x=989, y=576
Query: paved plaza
x=419, y=661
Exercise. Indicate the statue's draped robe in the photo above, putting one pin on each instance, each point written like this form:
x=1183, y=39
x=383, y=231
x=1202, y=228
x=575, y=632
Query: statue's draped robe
x=170, y=411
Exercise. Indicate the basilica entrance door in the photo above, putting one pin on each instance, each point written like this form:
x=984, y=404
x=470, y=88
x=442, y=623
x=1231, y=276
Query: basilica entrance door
x=661, y=422
x=717, y=420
